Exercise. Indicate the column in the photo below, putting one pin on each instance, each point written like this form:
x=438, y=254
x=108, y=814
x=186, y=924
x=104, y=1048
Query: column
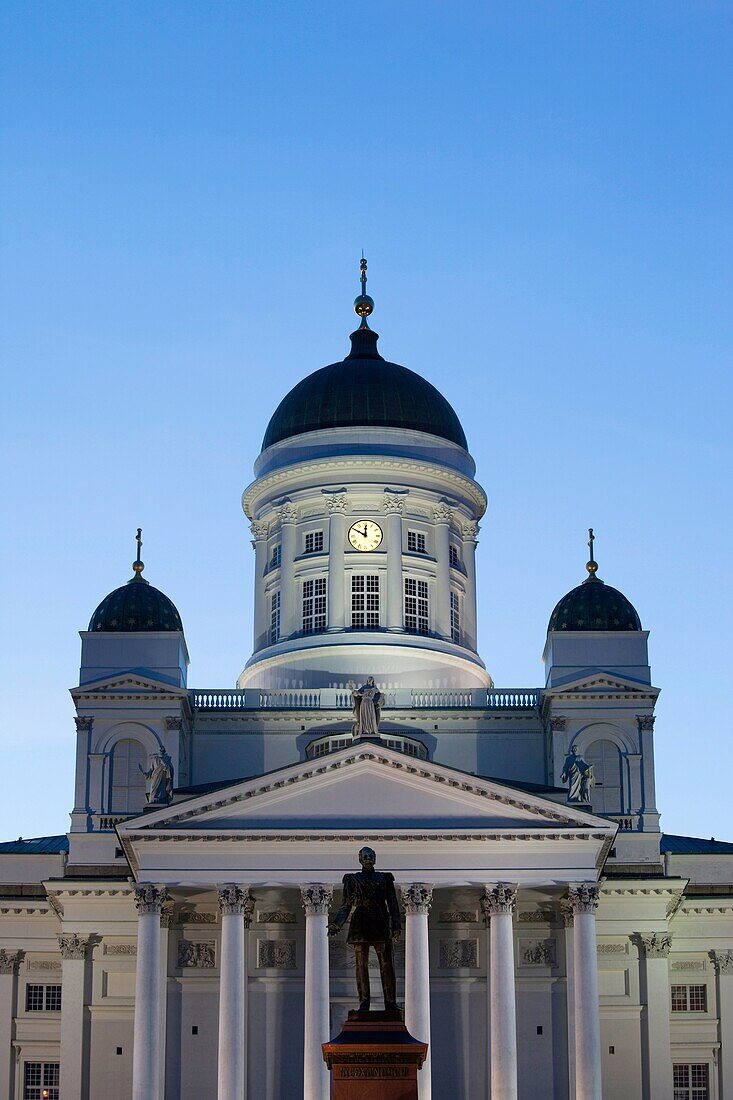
x=587, y=1018
x=468, y=535
x=9, y=962
x=73, y=984
x=567, y=917
x=417, y=898
x=442, y=515
x=259, y=544
x=498, y=904
x=235, y=906
x=316, y=1079
x=288, y=514
x=393, y=506
x=80, y=813
x=723, y=963
x=149, y=900
x=166, y=916
x=654, y=950
x=337, y=504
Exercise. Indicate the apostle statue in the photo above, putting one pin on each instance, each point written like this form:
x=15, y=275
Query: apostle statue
x=158, y=777
x=368, y=700
x=578, y=774
x=371, y=900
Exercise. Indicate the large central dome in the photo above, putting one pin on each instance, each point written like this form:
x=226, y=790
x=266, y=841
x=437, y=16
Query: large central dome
x=364, y=390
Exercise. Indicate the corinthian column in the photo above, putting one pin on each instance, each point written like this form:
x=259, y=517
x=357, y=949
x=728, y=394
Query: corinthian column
x=149, y=900
x=316, y=898
x=417, y=898
x=288, y=514
x=723, y=963
x=73, y=980
x=442, y=515
x=393, y=505
x=654, y=950
x=498, y=904
x=337, y=504
x=235, y=906
x=259, y=542
x=468, y=534
x=9, y=962
x=583, y=903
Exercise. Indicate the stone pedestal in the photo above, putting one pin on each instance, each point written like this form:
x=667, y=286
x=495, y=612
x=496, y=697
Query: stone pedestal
x=374, y=1058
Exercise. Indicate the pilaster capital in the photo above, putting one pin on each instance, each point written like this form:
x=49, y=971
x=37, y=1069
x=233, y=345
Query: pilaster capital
x=166, y=915
x=9, y=961
x=72, y=945
x=645, y=721
x=259, y=529
x=722, y=961
x=558, y=723
x=442, y=513
x=173, y=721
x=655, y=946
x=287, y=513
x=566, y=912
x=236, y=900
x=337, y=504
x=83, y=722
x=469, y=531
x=417, y=897
x=392, y=504
x=316, y=898
x=500, y=897
x=583, y=898
x=149, y=898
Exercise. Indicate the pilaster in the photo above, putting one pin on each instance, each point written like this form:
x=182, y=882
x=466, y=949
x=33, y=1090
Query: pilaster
x=9, y=963
x=653, y=955
x=417, y=898
x=74, y=1044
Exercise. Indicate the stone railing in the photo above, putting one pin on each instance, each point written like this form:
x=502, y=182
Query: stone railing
x=625, y=822
x=105, y=823
x=340, y=699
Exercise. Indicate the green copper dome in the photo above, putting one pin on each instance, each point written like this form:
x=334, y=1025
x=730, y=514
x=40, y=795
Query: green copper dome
x=364, y=390
x=594, y=605
x=136, y=605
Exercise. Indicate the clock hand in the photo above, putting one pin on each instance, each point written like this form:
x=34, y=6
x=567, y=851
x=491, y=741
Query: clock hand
x=365, y=531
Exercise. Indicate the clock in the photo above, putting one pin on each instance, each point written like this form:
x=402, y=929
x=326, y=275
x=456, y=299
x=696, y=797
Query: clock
x=365, y=535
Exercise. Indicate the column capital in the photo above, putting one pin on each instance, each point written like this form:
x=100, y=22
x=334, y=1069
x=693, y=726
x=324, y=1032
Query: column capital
x=72, y=945
x=469, y=530
x=9, y=961
x=645, y=721
x=417, y=897
x=287, y=513
x=558, y=723
x=236, y=900
x=722, y=961
x=500, y=897
x=337, y=503
x=149, y=898
x=316, y=898
x=259, y=529
x=442, y=513
x=655, y=946
x=583, y=898
x=83, y=722
x=393, y=504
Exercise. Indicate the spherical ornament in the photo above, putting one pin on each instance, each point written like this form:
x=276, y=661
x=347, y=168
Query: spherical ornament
x=363, y=305
x=592, y=567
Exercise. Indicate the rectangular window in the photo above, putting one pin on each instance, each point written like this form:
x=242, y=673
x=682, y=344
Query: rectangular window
x=314, y=606
x=365, y=602
x=314, y=542
x=416, y=606
x=455, y=618
x=34, y=998
x=43, y=998
x=277, y=556
x=416, y=542
x=53, y=998
x=689, y=998
x=691, y=1082
x=41, y=1081
x=455, y=561
x=274, y=617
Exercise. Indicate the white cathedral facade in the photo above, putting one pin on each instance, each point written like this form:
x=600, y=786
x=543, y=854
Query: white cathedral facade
x=555, y=944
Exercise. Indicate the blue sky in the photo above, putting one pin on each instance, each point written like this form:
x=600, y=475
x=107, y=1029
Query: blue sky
x=543, y=192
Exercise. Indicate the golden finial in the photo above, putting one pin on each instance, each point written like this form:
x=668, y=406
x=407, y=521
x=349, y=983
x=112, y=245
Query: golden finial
x=138, y=565
x=591, y=565
x=363, y=305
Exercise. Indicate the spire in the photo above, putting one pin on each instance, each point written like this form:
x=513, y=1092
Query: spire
x=591, y=565
x=363, y=305
x=138, y=565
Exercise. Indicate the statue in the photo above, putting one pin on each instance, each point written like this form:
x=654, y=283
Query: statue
x=371, y=899
x=159, y=777
x=578, y=774
x=368, y=700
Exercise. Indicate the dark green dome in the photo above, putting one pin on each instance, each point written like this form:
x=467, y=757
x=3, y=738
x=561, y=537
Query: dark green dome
x=364, y=390
x=594, y=605
x=136, y=606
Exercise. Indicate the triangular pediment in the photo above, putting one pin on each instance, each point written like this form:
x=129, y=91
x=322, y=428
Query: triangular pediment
x=600, y=682
x=131, y=682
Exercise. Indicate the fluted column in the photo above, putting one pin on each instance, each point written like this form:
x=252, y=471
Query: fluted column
x=654, y=951
x=442, y=515
x=417, y=898
x=259, y=544
x=723, y=963
x=498, y=903
x=235, y=906
x=9, y=962
x=393, y=506
x=73, y=949
x=337, y=504
x=583, y=901
x=316, y=898
x=468, y=535
x=288, y=514
x=149, y=900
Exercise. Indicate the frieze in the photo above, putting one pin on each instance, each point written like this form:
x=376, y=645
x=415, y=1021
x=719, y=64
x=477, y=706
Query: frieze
x=196, y=918
x=458, y=954
x=276, y=954
x=537, y=916
x=362, y=1073
x=43, y=964
x=687, y=964
x=276, y=916
x=120, y=949
x=537, y=952
x=458, y=916
x=201, y=955
x=612, y=949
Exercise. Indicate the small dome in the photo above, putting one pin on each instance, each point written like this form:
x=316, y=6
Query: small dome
x=136, y=605
x=594, y=605
x=364, y=390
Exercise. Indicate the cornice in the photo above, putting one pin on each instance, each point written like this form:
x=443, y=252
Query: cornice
x=253, y=837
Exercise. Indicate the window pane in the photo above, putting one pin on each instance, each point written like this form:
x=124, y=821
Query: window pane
x=53, y=998
x=274, y=617
x=34, y=998
x=679, y=998
x=698, y=998
x=365, y=601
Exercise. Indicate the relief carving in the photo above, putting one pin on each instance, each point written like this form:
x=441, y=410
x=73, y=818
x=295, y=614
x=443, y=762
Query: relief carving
x=200, y=955
x=456, y=954
x=276, y=954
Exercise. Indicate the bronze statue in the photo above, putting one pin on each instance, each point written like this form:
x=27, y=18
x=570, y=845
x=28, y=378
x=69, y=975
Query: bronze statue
x=371, y=899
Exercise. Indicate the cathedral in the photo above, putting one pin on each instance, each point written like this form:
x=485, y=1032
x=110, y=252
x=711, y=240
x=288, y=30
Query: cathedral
x=555, y=944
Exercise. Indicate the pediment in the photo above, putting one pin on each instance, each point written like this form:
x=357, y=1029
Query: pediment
x=598, y=681
x=131, y=682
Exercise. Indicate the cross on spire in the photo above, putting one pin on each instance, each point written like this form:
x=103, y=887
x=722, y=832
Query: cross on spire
x=138, y=565
x=591, y=564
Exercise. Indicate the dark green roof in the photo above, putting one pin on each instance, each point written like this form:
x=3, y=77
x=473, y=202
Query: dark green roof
x=364, y=390
x=594, y=605
x=136, y=606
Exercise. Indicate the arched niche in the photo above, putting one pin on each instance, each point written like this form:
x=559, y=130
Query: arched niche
x=126, y=780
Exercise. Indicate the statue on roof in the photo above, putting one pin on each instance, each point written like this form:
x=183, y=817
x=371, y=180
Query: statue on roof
x=367, y=700
x=158, y=778
x=578, y=774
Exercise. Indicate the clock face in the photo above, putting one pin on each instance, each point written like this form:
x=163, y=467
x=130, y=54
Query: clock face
x=365, y=535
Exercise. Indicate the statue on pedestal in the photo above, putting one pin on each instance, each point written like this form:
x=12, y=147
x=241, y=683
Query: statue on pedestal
x=368, y=700
x=371, y=900
x=578, y=774
x=159, y=778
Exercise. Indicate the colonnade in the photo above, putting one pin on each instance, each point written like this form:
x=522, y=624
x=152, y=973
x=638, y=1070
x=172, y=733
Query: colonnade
x=236, y=905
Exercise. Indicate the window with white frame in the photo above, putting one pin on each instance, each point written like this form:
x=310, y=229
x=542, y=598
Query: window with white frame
x=455, y=618
x=689, y=998
x=274, y=617
x=691, y=1081
x=365, y=601
x=43, y=998
x=314, y=605
x=277, y=556
x=416, y=606
x=453, y=557
x=314, y=542
x=416, y=542
x=41, y=1081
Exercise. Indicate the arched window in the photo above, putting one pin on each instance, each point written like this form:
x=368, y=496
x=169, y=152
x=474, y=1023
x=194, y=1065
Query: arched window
x=127, y=783
x=606, y=795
